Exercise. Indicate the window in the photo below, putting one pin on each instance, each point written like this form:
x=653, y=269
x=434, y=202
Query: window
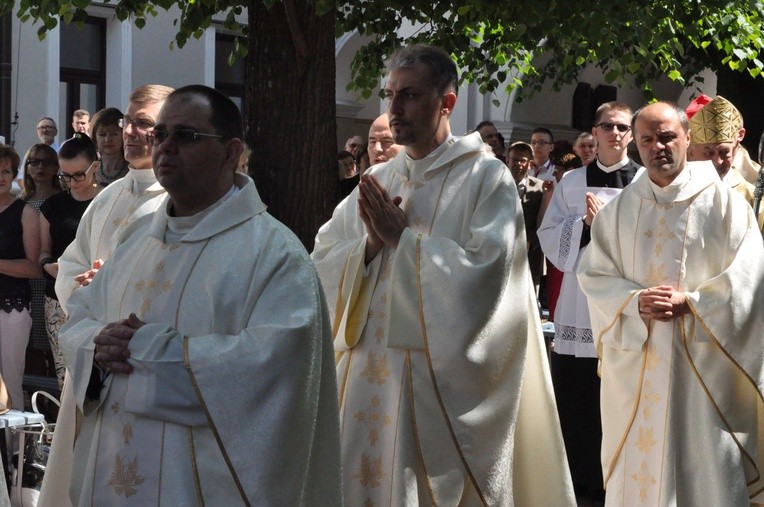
x=83, y=70
x=229, y=79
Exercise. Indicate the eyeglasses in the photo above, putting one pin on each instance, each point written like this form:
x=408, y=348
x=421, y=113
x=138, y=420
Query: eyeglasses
x=539, y=143
x=608, y=127
x=80, y=176
x=36, y=161
x=142, y=124
x=180, y=136
x=46, y=127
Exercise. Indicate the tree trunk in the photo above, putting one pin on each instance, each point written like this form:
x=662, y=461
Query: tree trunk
x=291, y=113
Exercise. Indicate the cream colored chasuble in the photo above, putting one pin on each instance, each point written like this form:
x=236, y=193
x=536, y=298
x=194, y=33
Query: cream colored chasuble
x=128, y=453
x=374, y=378
x=660, y=229
x=679, y=398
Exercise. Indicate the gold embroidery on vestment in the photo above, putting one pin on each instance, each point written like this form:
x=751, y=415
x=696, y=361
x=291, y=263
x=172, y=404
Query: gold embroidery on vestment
x=656, y=275
x=124, y=477
x=650, y=397
x=370, y=471
x=644, y=480
x=153, y=286
x=645, y=440
x=373, y=418
x=376, y=370
x=660, y=235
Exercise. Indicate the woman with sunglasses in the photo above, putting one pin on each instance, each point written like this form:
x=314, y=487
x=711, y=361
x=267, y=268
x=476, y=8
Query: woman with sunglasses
x=40, y=175
x=19, y=247
x=59, y=217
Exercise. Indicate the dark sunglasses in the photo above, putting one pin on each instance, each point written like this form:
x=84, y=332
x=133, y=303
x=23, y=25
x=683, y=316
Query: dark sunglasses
x=608, y=127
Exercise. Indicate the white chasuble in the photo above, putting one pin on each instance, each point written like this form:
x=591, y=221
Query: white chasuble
x=232, y=399
x=681, y=400
x=103, y=224
x=121, y=463
x=441, y=369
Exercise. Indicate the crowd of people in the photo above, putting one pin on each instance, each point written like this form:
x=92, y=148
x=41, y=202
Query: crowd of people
x=206, y=358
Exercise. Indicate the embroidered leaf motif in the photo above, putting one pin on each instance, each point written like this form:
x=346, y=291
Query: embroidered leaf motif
x=376, y=371
x=370, y=472
x=645, y=441
x=124, y=477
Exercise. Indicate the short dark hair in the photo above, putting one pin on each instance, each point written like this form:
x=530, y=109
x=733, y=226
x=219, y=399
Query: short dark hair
x=225, y=116
x=543, y=130
x=7, y=152
x=522, y=147
x=345, y=154
x=484, y=123
x=80, y=145
x=441, y=65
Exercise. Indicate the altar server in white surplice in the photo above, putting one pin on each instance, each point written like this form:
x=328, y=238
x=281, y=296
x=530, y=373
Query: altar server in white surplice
x=675, y=282
x=200, y=356
x=445, y=395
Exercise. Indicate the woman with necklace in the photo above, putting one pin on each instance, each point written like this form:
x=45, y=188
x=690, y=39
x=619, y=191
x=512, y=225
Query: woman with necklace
x=19, y=248
x=105, y=130
x=59, y=217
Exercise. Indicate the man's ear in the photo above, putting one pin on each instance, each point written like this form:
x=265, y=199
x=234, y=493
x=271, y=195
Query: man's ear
x=233, y=151
x=740, y=134
x=447, y=103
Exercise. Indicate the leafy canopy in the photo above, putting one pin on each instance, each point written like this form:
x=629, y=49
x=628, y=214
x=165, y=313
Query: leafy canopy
x=524, y=43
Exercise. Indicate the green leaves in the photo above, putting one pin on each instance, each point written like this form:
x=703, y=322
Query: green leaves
x=521, y=45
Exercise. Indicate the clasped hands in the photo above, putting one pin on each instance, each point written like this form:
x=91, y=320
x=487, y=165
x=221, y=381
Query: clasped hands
x=381, y=214
x=111, y=344
x=662, y=303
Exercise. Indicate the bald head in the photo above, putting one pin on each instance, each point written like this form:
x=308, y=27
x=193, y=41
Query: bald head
x=381, y=145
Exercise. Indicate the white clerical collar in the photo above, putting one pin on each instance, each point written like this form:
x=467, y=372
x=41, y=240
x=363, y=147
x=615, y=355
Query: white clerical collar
x=142, y=179
x=667, y=194
x=178, y=227
x=614, y=167
x=728, y=178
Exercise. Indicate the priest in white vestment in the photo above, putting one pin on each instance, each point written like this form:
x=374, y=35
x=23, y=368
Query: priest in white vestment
x=674, y=278
x=445, y=396
x=119, y=204
x=200, y=356
x=98, y=233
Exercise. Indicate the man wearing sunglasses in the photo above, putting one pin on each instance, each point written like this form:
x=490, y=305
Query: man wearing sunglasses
x=564, y=234
x=209, y=330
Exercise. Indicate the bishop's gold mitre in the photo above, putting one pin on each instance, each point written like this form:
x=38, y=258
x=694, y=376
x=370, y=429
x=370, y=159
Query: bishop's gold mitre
x=716, y=122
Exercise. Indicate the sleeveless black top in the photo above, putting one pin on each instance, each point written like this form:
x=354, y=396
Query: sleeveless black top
x=14, y=292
